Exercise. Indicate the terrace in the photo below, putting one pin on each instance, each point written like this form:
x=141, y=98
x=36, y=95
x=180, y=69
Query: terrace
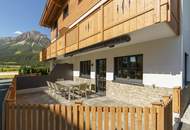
x=33, y=108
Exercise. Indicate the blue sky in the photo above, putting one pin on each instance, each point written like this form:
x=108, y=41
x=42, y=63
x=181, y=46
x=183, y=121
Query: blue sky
x=20, y=16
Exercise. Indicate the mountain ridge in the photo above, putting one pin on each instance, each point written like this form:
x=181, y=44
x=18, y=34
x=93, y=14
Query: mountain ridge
x=23, y=49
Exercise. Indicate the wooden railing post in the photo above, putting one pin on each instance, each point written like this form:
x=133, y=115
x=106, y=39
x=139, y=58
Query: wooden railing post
x=176, y=99
x=160, y=115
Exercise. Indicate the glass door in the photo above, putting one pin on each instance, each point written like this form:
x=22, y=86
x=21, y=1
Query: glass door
x=101, y=75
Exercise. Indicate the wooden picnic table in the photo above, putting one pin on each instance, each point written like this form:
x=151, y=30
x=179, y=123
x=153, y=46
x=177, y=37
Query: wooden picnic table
x=69, y=84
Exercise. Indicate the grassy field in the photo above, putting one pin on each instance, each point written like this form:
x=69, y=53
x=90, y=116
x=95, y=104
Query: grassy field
x=6, y=76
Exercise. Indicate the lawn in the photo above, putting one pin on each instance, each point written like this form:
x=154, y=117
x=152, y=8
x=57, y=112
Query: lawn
x=6, y=76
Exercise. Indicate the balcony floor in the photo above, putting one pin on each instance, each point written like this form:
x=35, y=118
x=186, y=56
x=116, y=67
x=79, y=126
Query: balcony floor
x=46, y=97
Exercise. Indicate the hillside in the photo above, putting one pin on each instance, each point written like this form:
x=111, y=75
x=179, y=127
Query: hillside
x=22, y=49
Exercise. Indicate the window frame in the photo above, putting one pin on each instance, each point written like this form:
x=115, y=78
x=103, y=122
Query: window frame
x=84, y=74
x=124, y=80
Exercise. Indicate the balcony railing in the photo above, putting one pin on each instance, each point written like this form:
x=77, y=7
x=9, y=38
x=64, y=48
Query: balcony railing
x=113, y=19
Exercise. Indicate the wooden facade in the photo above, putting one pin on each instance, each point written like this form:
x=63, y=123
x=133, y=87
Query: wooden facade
x=112, y=19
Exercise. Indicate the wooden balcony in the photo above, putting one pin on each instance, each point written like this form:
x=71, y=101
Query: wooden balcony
x=151, y=19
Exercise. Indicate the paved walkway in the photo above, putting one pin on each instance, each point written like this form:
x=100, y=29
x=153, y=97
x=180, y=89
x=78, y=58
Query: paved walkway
x=186, y=119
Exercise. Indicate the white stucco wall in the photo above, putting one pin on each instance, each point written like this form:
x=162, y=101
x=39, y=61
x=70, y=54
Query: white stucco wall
x=161, y=61
x=185, y=31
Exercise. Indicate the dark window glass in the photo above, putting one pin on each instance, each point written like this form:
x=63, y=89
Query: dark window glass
x=129, y=68
x=66, y=11
x=85, y=68
x=79, y=1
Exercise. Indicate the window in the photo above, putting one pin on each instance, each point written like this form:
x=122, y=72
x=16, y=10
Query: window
x=55, y=29
x=85, y=68
x=79, y=1
x=65, y=12
x=128, y=69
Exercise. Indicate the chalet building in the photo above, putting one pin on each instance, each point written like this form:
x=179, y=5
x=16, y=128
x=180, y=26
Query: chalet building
x=121, y=46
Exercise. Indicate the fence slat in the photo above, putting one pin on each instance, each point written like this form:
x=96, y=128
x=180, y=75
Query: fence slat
x=99, y=118
x=37, y=116
x=106, y=118
x=43, y=117
x=93, y=118
x=126, y=110
x=132, y=116
x=87, y=112
x=146, y=118
x=63, y=115
x=153, y=118
x=69, y=117
x=49, y=117
x=112, y=109
x=75, y=117
x=139, y=118
x=119, y=120
x=81, y=116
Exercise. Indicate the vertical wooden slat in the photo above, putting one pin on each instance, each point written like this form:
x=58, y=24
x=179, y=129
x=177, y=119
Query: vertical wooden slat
x=20, y=117
x=139, y=118
x=49, y=117
x=37, y=116
x=57, y=116
x=81, y=118
x=119, y=116
x=87, y=112
x=126, y=110
x=69, y=117
x=112, y=110
x=93, y=118
x=132, y=116
x=99, y=118
x=146, y=118
x=63, y=115
x=106, y=118
x=43, y=117
x=10, y=119
x=157, y=10
x=153, y=118
x=75, y=117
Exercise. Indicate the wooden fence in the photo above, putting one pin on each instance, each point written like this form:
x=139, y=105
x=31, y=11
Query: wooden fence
x=78, y=117
x=181, y=98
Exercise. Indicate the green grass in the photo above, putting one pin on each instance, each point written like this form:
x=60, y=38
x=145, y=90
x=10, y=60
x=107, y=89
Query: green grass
x=6, y=76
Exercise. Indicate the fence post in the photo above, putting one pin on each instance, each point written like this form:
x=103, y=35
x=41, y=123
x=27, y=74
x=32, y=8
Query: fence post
x=160, y=115
x=176, y=99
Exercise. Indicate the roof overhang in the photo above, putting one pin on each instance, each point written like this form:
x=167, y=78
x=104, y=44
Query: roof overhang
x=51, y=12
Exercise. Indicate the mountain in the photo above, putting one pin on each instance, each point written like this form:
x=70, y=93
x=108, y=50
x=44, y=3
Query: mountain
x=23, y=49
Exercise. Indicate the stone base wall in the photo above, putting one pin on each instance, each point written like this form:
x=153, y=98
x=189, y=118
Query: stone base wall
x=132, y=94
x=84, y=80
x=136, y=95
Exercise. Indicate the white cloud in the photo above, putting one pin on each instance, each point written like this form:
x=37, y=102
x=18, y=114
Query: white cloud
x=18, y=32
